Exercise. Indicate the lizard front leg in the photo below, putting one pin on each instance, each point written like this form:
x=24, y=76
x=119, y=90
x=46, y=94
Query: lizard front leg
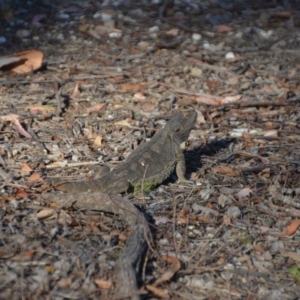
x=180, y=164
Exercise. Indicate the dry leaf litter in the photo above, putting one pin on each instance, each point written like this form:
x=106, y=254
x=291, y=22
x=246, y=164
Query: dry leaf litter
x=113, y=73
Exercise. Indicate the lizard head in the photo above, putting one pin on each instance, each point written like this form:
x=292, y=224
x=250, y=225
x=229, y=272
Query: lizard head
x=181, y=124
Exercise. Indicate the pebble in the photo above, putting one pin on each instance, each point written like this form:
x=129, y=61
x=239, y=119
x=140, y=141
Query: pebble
x=115, y=35
x=154, y=29
x=196, y=72
x=178, y=235
x=164, y=241
x=63, y=16
x=153, y=36
x=262, y=33
x=97, y=15
x=22, y=33
x=206, y=45
x=2, y=40
x=60, y=36
x=196, y=37
x=143, y=45
x=75, y=157
x=229, y=55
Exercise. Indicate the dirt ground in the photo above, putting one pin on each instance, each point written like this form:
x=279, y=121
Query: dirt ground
x=113, y=73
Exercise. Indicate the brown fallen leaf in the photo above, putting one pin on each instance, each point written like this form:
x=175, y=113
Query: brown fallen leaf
x=103, y=284
x=207, y=99
x=45, y=213
x=25, y=168
x=49, y=269
x=22, y=62
x=21, y=194
x=95, y=108
x=271, y=133
x=123, y=123
x=156, y=291
x=98, y=141
x=292, y=227
x=224, y=171
x=34, y=178
x=213, y=83
x=139, y=96
x=223, y=28
x=64, y=282
x=75, y=91
x=133, y=86
x=282, y=14
x=169, y=273
x=226, y=220
x=183, y=216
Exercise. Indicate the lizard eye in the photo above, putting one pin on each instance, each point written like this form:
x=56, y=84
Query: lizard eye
x=177, y=129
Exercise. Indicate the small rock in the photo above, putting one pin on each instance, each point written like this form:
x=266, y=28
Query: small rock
x=178, y=235
x=143, y=45
x=115, y=35
x=60, y=36
x=164, y=241
x=229, y=55
x=196, y=72
x=154, y=29
x=97, y=15
x=75, y=157
x=153, y=36
x=2, y=40
x=262, y=33
x=196, y=37
x=206, y=45
x=63, y=16
x=22, y=33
